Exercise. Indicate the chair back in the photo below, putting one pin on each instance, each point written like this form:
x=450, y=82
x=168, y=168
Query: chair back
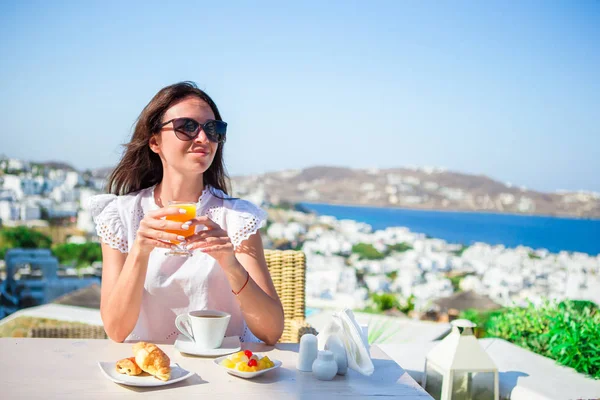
x=69, y=332
x=288, y=272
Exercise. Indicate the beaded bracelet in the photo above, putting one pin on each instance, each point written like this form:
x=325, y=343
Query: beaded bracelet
x=247, y=279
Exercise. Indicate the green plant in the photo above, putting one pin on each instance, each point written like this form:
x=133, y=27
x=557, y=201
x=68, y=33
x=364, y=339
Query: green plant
x=80, y=255
x=580, y=305
x=367, y=251
x=392, y=275
x=381, y=331
x=399, y=247
x=460, y=251
x=22, y=237
x=480, y=318
x=408, y=305
x=455, y=281
x=568, y=332
x=385, y=301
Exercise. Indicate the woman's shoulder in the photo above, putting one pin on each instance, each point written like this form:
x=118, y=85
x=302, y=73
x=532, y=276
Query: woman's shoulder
x=118, y=203
x=240, y=217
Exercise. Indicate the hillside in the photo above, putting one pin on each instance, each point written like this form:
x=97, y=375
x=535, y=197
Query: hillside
x=413, y=188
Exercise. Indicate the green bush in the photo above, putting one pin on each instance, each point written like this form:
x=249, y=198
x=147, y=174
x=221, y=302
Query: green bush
x=455, y=281
x=481, y=318
x=392, y=275
x=460, y=251
x=80, y=255
x=399, y=247
x=568, y=332
x=367, y=251
x=387, y=301
x=22, y=237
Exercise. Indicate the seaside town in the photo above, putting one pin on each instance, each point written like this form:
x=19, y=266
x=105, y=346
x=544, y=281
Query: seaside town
x=405, y=287
x=347, y=261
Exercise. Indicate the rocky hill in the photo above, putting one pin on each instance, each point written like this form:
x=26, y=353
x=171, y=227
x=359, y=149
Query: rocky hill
x=412, y=188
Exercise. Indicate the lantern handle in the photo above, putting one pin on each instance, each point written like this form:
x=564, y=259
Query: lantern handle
x=463, y=323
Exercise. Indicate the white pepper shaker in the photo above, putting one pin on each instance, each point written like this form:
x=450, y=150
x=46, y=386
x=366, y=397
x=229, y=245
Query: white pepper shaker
x=325, y=367
x=308, y=352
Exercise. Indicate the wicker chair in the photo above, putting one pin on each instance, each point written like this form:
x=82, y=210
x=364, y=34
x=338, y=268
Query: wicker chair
x=288, y=271
x=70, y=332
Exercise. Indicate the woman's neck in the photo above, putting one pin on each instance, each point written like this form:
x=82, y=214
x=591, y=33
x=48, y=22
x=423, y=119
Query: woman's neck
x=177, y=187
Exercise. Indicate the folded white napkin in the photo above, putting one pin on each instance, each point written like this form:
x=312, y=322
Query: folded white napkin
x=344, y=325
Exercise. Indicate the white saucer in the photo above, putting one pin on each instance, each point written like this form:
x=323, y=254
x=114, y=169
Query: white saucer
x=230, y=344
x=144, y=379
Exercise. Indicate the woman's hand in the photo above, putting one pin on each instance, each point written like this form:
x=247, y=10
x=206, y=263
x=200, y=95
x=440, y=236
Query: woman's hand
x=213, y=241
x=152, y=232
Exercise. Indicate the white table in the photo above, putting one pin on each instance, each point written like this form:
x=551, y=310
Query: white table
x=68, y=369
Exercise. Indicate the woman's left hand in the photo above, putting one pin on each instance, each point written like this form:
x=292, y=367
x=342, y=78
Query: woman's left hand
x=213, y=241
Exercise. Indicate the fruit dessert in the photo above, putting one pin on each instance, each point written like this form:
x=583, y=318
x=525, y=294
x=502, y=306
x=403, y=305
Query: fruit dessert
x=245, y=361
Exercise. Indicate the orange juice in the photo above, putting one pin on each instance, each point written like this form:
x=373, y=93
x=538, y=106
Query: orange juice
x=190, y=213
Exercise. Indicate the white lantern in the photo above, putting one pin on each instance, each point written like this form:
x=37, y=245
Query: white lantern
x=458, y=368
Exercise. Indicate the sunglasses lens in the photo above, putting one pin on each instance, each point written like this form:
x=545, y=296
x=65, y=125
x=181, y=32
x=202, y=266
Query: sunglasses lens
x=185, y=128
x=215, y=131
x=188, y=126
x=188, y=129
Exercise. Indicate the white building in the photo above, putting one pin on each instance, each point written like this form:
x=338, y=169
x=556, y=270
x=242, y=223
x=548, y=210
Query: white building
x=290, y=231
x=29, y=212
x=17, y=165
x=9, y=211
x=64, y=193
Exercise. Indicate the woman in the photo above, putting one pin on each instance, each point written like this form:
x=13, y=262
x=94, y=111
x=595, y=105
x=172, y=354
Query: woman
x=176, y=154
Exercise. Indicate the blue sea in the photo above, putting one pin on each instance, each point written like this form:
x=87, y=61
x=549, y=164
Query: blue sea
x=553, y=234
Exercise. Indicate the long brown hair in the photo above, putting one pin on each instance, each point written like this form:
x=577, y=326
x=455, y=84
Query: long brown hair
x=140, y=167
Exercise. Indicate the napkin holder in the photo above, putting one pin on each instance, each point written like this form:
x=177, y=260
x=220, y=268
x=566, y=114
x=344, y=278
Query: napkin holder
x=344, y=325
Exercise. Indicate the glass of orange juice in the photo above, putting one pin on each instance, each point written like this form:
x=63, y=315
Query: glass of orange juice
x=190, y=213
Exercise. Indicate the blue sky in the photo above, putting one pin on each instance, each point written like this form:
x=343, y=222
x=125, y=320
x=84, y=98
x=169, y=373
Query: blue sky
x=506, y=89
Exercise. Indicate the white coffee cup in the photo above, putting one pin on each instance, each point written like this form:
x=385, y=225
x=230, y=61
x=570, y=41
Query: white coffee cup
x=205, y=327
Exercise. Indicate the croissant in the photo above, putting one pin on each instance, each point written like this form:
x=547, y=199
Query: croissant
x=128, y=366
x=152, y=360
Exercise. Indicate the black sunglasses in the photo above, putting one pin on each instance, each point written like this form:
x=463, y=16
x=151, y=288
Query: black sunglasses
x=188, y=128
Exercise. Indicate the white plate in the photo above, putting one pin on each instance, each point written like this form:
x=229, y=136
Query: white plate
x=246, y=375
x=230, y=344
x=108, y=368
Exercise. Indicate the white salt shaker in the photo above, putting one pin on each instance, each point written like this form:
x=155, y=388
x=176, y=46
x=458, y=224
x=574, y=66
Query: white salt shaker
x=325, y=367
x=308, y=352
x=336, y=346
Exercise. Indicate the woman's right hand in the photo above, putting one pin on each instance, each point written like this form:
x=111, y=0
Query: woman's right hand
x=153, y=228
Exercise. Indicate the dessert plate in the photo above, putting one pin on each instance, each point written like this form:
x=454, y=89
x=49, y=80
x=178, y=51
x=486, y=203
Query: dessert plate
x=246, y=375
x=144, y=379
x=230, y=344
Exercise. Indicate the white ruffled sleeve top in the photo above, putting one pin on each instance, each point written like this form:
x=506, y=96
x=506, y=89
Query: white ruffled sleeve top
x=176, y=285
